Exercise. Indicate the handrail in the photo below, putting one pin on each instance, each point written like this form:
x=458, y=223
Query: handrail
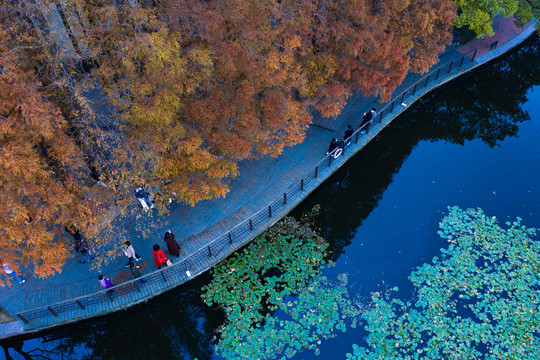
x=226, y=238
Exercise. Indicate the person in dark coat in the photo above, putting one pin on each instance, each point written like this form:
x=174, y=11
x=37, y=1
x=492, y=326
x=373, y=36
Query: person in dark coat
x=172, y=244
x=368, y=116
x=348, y=134
x=333, y=144
x=81, y=245
x=336, y=145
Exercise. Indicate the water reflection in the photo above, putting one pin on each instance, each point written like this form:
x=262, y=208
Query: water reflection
x=484, y=105
x=177, y=324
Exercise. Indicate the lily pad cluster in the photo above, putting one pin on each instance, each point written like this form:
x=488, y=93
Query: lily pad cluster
x=275, y=300
x=479, y=300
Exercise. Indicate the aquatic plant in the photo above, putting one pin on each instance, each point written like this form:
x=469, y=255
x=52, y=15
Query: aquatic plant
x=479, y=300
x=275, y=300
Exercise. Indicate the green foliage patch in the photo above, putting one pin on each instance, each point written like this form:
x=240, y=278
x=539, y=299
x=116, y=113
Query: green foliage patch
x=278, y=272
x=479, y=300
x=478, y=15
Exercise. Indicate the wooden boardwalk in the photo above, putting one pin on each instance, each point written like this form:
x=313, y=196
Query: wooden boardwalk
x=213, y=229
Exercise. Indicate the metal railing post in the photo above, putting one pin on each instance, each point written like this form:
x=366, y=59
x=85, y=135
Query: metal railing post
x=427, y=80
x=23, y=319
x=317, y=167
x=250, y=225
x=209, y=251
x=450, y=67
x=403, y=97
x=302, y=185
x=380, y=116
x=52, y=311
x=285, y=194
x=392, y=107
x=80, y=304
x=329, y=160
x=163, y=276
x=230, y=238
x=461, y=62
x=474, y=55
x=269, y=211
x=414, y=90
x=356, y=138
x=438, y=72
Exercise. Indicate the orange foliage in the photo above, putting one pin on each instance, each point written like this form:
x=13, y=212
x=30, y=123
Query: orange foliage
x=38, y=191
x=200, y=85
x=237, y=77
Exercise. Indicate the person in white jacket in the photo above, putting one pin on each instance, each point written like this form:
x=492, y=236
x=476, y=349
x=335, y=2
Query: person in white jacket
x=11, y=273
x=129, y=251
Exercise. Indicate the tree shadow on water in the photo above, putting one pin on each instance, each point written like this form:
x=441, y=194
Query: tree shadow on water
x=484, y=105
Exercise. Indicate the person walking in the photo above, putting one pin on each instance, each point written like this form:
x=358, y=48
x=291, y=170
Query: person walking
x=11, y=273
x=368, y=116
x=129, y=251
x=373, y=113
x=106, y=284
x=348, y=134
x=159, y=256
x=336, y=148
x=172, y=244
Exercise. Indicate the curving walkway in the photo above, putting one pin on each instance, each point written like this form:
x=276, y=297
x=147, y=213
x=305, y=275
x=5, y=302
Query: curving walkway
x=213, y=229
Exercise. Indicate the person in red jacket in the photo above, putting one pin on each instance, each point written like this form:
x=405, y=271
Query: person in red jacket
x=159, y=256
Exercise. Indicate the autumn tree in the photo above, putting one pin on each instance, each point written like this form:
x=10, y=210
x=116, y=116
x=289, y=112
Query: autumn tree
x=374, y=45
x=327, y=49
x=45, y=181
x=230, y=80
x=38, y=191
x=179, y=127
x=193, y=88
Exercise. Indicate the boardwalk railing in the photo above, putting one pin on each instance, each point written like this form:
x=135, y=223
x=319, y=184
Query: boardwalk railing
x=141, y=288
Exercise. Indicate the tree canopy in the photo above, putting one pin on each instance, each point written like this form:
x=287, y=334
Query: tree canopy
x=478, y=15
x=220, y=82
x=42, y=184
x=192, y=88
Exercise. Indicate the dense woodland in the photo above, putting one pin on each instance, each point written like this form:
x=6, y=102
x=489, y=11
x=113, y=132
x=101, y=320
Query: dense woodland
x=173, y=94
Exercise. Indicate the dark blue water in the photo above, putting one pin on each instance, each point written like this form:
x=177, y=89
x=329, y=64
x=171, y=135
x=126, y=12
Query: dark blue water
x=473, y=143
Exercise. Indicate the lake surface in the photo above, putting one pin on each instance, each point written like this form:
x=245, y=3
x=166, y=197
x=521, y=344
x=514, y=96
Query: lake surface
x=472, y=143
